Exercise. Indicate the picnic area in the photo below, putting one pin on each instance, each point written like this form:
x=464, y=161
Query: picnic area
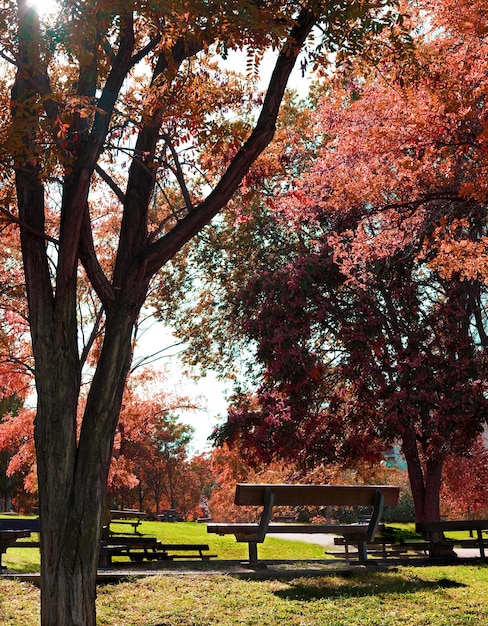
x=365, y=572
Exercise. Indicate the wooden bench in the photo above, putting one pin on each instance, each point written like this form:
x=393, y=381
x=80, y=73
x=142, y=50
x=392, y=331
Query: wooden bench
x=269, y=496
x=438, y=545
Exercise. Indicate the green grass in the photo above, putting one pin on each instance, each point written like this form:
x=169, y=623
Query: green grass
x=399, y=596
x=226, y=547
x=403, y=596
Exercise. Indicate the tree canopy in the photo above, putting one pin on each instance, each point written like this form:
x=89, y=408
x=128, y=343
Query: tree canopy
x=367, y=307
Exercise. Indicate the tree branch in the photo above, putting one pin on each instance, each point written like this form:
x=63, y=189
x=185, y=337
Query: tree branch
x=165, y=248
x=178, y=172
x=26, y=227
x=110, y=182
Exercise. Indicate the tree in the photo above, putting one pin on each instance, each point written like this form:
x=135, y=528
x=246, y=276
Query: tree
x=372, y=324
x=97, y=82
x=149, y=452
x=152, y=444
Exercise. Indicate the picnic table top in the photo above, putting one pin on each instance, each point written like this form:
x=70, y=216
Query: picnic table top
x=126, y=514
x=14, y=534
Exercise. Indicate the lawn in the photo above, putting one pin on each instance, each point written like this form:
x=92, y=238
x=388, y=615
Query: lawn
x=403, y=596
x=399, y=596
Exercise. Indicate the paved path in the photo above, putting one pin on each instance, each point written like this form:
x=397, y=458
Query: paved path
x=321, y=539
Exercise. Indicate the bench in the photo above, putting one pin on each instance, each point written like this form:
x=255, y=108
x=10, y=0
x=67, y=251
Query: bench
x=127, y=516
x=269, y=496
x=438, y=545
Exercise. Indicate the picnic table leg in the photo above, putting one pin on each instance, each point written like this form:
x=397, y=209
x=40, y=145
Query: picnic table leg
x=362, y=551
x=253, y=553
x=482, y=547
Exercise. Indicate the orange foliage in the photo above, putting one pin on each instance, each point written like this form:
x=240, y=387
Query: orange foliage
x=465, y=483
x=406, y=149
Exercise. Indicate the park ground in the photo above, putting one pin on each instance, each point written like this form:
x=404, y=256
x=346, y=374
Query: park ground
x=403, y=596
x=396, y=595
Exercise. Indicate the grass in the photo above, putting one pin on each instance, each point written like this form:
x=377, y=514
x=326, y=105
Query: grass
x=404, y=596
x=399, y=596
x=24, y=560
x=226, y=548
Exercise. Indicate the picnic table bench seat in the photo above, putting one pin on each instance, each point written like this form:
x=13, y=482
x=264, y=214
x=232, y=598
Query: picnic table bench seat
x=291, y=495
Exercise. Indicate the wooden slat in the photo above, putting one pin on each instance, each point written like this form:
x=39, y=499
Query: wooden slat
x=315, y=495
x=310, y=529
x=16, y=523
x=452, y=525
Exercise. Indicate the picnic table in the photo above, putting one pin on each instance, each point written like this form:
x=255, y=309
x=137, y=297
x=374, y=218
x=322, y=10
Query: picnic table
x=438, y=545
x=132, y=517
x=292, y=495
x=143, y=548
x=8, y=539
x=138, y=547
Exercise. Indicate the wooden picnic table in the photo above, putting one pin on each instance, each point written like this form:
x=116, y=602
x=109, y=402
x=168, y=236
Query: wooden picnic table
x=143, y=548
x=434, y=532
x=293, y=495
x=127, y=516
x=8, y=539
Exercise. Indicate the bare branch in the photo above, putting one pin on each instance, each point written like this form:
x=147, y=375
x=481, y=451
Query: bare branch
x=110, y=182
x=33, y=231
x=178, y=172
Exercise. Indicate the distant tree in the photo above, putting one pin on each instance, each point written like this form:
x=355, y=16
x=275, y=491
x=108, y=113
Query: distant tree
x=154, y=445
x=150, y=454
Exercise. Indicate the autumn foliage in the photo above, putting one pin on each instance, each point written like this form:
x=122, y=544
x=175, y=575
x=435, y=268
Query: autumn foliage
x=365, y=306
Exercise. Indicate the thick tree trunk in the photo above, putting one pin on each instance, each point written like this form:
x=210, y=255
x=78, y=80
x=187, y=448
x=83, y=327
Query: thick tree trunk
x=73, y=496
x=425, y=479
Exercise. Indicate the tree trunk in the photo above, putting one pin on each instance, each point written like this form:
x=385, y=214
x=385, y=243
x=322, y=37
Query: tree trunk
x=73, y=496
x=425, y=480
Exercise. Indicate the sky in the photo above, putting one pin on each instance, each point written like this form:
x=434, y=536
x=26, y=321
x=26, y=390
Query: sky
x=207, y=392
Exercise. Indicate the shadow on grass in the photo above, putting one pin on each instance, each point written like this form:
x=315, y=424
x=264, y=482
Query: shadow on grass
x=360, y=585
